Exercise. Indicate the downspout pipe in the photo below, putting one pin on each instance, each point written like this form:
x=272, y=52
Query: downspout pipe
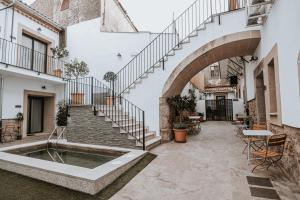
x=12, y=22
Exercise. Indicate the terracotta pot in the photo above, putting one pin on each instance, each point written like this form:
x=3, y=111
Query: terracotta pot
x=57, y=73
x=180, y=135
x=109, y=101
x=77, y=98
x=201, y=119
x=233, y=4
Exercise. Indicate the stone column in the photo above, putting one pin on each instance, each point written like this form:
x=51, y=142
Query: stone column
x=165, y=120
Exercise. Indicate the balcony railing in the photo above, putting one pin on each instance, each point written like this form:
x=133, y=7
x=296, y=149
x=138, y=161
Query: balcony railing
x=16, y=55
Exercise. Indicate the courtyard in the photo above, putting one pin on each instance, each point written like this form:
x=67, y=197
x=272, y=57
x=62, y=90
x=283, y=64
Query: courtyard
x=209, y=166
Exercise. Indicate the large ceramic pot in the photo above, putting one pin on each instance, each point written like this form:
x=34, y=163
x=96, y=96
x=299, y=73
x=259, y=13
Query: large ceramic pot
x=57, y=73
x=109, y=101
x=77, y=98
x=180, y=135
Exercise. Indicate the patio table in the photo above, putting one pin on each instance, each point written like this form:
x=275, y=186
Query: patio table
x=255, y=133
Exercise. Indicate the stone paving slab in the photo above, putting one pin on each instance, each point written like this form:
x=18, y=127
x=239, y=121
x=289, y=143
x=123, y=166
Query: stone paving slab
x=210, y=166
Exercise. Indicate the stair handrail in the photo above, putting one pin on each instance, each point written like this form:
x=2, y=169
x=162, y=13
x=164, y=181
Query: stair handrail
x=61, y=135
x=118, y=109
x=178, y=31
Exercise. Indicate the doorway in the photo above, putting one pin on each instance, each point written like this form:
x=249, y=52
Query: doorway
x=35, y=115
x=260, y=98
x=220, y=109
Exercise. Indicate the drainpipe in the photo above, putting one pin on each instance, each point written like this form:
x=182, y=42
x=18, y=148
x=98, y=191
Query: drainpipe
x=1, y=96
x=12, y=21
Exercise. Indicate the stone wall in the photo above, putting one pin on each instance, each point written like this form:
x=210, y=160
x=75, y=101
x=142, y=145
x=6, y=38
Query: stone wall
x=77, y=10
x=252, y=110
x=13, y=122
x=85, y=127
x=291, y=159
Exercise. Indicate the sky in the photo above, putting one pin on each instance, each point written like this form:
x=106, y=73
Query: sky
x=151, y=15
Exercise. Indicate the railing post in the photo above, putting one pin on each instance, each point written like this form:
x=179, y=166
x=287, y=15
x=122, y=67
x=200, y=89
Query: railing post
x=143, y=118
x=211, y=11
x=92, y=91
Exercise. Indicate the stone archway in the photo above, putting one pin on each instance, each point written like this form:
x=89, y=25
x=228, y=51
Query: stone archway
x=237, y=44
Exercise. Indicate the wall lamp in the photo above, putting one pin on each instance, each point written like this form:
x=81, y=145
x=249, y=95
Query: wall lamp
x=253, y=58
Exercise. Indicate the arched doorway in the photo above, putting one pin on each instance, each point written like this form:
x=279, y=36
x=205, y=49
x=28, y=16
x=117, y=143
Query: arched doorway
x=233, y=45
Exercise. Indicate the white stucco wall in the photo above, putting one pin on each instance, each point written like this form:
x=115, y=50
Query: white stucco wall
x=146, y=94
x=100, y=50
x=21, y=20
x=250, y=80
x=13, y=92
x=283, y=28
x=16, y=80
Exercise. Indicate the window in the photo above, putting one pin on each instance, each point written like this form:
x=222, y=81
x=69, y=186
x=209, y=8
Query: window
x=215, y=71
x=34, y=55
x=65, y=5
x=272, y=87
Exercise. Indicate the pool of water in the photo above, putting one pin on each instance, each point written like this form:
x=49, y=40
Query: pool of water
x=80, y=159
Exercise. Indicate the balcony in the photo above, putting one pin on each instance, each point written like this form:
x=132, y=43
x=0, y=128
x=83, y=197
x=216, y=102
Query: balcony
x=15, y=55
x=212, y=83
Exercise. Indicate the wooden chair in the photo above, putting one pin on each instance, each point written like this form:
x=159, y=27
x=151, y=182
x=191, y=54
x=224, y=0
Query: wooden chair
x=273, y=151
x=9, y=131
x=256, y=143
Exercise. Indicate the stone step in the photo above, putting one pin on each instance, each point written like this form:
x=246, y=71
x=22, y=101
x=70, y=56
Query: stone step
x=130, y=124
x=148, y=136
x=194, y=34
x=119, y=119
x=134, y=130
x=171, y=53
x=150, y=144
x=111, y=112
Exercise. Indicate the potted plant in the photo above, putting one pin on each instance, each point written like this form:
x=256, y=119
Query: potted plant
x=192, y=103
x=180, y=104
x=62, y=115
x=76, y=69
x=110, y=77
x=19, y=119
x=58, y=53
x=201, y=117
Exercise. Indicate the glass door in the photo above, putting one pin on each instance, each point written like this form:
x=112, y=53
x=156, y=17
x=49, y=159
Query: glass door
x=34, y=54
x=35, y=115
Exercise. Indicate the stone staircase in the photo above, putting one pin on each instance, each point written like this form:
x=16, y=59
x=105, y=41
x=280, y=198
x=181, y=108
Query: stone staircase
x=160, y=63
x=86, y=127
x=129, y=126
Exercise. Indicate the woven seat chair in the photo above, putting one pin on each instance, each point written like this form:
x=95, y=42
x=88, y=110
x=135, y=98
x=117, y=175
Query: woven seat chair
x=272, y=153
x=256, y=143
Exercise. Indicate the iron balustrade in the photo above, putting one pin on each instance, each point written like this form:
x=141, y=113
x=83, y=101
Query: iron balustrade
x=16, y=55
x=90, y=91
x=177, y=33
